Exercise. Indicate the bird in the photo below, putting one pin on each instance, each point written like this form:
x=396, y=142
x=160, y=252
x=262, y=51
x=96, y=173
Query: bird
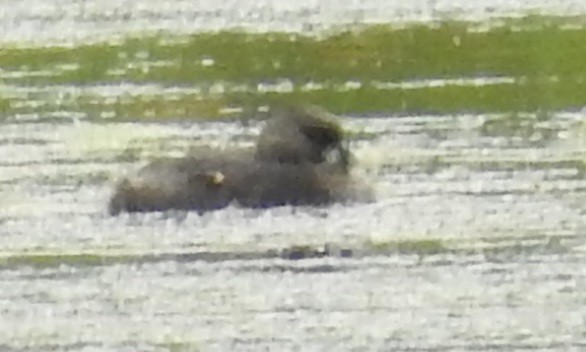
x=301, y=158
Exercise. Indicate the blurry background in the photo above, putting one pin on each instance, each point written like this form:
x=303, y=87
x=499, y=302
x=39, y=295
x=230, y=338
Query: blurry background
x=466, y=118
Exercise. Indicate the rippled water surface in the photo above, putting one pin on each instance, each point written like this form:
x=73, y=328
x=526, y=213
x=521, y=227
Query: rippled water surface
x=75, y=20
x=475, y=241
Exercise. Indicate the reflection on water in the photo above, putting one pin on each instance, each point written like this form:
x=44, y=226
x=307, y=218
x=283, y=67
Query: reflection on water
x=474, y=243
x=471, y=242
x=73, y=21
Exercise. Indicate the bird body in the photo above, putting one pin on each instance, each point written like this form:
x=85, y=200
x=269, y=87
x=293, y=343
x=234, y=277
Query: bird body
x=288, y=167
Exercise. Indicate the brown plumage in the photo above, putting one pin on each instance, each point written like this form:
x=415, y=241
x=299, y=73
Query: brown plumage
x=290, y=166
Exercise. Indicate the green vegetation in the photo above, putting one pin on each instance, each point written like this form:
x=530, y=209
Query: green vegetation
x=543, y=58
x=46, y=260
x=422, y=247
x=182, y=346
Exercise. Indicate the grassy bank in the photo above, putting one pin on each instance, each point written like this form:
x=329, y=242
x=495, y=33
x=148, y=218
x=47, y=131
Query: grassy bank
x=543, y=57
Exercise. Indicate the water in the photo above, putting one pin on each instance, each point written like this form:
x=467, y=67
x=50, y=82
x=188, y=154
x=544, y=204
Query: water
x=475, y=242
x=503, y=216
x=75, y=21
